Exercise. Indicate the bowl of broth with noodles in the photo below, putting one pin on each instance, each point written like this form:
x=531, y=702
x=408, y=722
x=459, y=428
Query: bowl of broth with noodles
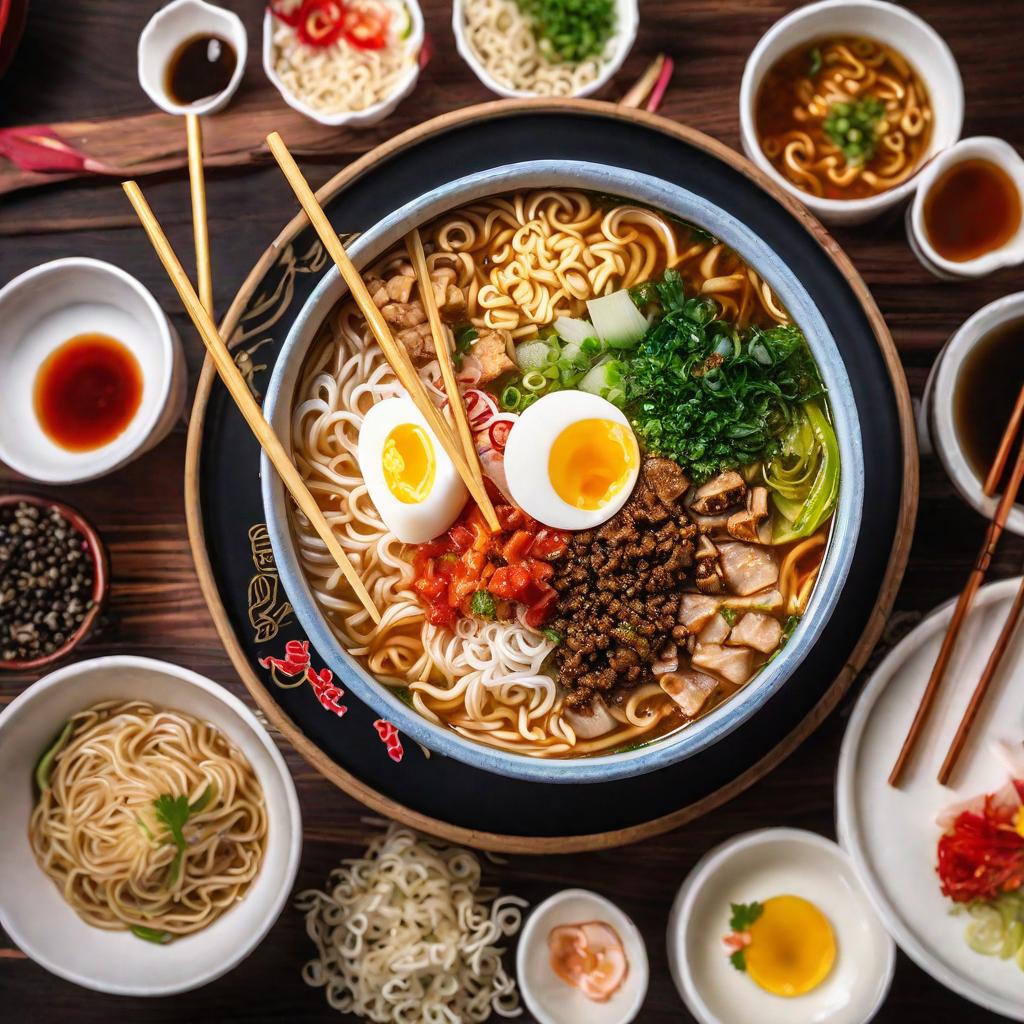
x=844, y=103
x=666, y=433
x=152, y=831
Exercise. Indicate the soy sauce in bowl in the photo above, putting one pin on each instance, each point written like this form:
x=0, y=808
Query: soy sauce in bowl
x=986, y=390
x=201, y=67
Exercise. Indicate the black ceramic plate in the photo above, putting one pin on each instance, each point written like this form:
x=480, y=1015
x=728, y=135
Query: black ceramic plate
x=236, y=566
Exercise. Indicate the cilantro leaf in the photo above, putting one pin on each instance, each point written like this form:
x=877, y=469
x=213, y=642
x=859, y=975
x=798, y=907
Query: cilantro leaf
x=738, y=960
x=173, y=813
x=744, y=915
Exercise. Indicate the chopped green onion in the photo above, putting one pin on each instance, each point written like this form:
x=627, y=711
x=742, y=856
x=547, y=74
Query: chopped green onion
x=510, y=398
x=534, y=381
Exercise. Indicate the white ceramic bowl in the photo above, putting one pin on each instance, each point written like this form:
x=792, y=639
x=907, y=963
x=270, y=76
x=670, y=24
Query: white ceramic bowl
x=44, y=307
x=938, y=403
x=914, y=38
x=353, y=118
x=32, y=910
x=551, y=1000
x=627, y=21
x=996, y=151
x=757, y=866
x=176, y=24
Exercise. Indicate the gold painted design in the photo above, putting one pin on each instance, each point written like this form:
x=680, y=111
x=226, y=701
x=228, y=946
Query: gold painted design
x=269, y=609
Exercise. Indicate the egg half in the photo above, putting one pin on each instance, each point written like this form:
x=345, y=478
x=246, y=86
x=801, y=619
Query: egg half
x=571, y=460
x=411, y=481
x=792, y=947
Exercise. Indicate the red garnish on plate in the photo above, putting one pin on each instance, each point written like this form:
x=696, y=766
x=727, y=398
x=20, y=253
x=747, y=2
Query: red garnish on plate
x=981, y=856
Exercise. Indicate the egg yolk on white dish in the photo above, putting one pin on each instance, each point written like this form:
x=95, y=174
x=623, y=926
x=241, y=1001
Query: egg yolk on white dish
x=410, y=479
x=792, y=948
x=571, y=460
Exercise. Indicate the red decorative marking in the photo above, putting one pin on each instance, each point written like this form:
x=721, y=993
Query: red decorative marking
x=297, y=661
x=388, y=733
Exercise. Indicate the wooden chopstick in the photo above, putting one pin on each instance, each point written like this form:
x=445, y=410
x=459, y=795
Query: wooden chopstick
x=414, y=245
x=394, y=352
x=1005, y=446
x=981, y=690
x=197, y=184
x=984, y=560
x=239, y=391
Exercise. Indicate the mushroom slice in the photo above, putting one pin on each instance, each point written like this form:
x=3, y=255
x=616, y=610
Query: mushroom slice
x=719, y=493
x=746, y=524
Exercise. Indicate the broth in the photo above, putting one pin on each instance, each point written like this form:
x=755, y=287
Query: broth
x=843, y=117
x=973, y=208
x=87, y=391
x=986, y=391
x=201, y=67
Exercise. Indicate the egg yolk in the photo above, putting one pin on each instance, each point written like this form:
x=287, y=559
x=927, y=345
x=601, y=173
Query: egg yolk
x=408, y=463
x=792, y=947
x=591, y=461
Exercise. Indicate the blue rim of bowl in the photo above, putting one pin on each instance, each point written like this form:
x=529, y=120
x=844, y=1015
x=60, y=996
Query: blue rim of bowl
x=677, y=202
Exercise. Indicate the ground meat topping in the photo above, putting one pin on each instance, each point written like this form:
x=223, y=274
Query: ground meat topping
x=619, y=589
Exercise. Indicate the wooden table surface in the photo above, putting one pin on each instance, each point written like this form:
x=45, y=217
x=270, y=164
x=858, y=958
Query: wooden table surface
x=77, y=61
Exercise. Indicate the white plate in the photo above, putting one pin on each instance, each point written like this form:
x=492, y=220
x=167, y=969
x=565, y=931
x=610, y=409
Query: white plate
x=757, y=866
x=891, y=833
x=549, y=998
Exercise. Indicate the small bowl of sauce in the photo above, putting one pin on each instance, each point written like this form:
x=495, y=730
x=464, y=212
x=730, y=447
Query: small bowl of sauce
x=92, y=372
x=970, y=394
x=967, y=218
x=191, y=57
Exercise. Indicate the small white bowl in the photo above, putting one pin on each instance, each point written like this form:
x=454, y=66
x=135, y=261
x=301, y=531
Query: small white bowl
x=996, y=151
x=176, y=24
x=757, y=866
x=353, y=118
x=46, y=306
x=910, y=35
x=627, y=21
x=938, y=405
x=33, y=911
x=549, y=998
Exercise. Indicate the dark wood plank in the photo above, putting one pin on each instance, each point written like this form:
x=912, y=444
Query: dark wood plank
x=78, y=62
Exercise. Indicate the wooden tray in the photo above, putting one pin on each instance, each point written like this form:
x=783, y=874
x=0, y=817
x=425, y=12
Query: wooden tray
x=235, y=564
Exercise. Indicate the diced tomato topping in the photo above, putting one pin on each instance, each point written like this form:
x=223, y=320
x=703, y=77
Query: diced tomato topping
x=366, y=26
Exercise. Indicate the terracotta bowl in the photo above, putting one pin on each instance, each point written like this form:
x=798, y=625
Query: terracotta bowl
x=100, y=579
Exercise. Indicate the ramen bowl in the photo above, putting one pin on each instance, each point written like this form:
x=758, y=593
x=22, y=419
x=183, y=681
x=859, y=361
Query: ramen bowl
x=33, y=911
x=678, y=202
x=914, y=38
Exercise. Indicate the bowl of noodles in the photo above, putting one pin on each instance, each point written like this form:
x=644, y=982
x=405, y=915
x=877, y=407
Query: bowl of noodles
x=842, y=104
x=343, y=64
x=152, y=828
x=650, y=585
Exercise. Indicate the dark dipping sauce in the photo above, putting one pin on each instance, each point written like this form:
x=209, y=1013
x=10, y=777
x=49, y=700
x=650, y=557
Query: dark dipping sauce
x=972, y=209
x=200, y=68
x=986, y=391
x=87, y=391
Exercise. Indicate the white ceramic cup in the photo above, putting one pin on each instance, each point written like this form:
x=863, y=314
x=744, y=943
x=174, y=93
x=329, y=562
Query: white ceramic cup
x=981, y=147
x=47, y=306
x=938, y=404
x=627, y=17
x=353, y=118
x=174, y=25
x=888, y=23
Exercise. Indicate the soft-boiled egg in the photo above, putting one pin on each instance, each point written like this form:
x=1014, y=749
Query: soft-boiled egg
x=571, y=460
x=411, y=481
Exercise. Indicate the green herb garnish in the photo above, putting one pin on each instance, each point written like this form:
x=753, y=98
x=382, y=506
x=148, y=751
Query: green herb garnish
x=465, y=335
x=161, y=938
x=173, y=813
x=404, y=694
x=709, y=396
x=852, y=126
x=552, y=634
x=45, y=763
x=571, y=30
x=814, y=61
x=729, y=614
x=743, y=916
x=482, y=604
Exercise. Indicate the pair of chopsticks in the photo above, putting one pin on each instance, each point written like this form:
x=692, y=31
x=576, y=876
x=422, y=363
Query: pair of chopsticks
x=199, y=309
x=963, y=605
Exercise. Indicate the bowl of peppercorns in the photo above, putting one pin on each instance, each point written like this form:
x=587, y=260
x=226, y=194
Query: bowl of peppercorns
x=53, y=580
